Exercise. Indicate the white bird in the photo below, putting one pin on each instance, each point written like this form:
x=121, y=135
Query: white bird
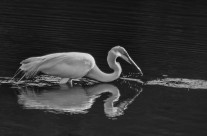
x=75, y=65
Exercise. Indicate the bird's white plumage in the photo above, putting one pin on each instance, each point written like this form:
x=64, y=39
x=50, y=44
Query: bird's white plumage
x=72, y=64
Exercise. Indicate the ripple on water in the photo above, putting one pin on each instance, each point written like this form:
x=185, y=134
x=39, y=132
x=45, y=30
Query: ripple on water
x=45, y=80
x=179, y=83
x=42, y=81
x=45, y=93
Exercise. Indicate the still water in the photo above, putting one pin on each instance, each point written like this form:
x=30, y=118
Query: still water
x=167, y=39
x=124, y=107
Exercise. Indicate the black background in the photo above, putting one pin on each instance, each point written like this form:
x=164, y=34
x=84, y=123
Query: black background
x=163, y=37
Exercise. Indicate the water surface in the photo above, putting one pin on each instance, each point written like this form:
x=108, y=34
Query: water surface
x=167, y=39
x=119, y=108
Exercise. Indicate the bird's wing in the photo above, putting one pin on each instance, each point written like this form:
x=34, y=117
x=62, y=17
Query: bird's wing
x=69, y=59
x=32, y=65
x=42, y=58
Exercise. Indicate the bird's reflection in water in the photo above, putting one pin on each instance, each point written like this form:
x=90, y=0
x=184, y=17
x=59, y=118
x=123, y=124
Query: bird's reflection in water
x=74, y=100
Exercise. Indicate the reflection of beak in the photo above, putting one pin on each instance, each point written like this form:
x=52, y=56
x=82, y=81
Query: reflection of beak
x=127, y=58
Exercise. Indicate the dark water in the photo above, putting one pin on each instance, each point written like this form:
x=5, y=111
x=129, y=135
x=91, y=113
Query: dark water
x=163, y=37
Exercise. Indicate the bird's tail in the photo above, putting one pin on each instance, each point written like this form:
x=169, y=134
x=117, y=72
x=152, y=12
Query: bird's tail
x=29, y=67
x=29, y=60
x=16, y=73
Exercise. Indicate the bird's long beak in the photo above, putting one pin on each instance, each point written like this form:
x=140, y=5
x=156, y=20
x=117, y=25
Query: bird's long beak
x=127, y=58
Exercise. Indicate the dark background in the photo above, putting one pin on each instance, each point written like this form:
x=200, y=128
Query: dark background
x=163, y=37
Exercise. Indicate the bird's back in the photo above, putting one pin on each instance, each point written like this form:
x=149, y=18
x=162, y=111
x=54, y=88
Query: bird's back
x=57, y=63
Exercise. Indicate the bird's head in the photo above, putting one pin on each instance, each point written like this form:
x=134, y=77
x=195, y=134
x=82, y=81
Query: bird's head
x=121, y=52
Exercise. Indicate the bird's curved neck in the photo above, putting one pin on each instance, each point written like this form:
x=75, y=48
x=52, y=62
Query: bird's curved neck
x=97, y=74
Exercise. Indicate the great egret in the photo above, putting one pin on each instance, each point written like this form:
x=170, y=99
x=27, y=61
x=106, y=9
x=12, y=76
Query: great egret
x=75, y=65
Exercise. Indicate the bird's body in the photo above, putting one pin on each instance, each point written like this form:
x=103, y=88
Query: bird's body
x=74, y=65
